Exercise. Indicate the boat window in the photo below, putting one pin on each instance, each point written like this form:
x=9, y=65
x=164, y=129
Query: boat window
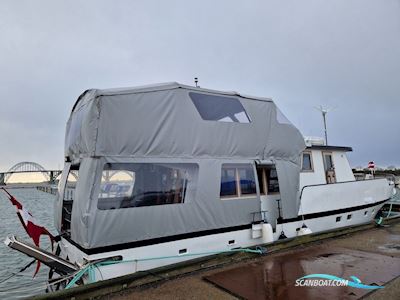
x=69, y=197
x=272, y=180
x=228, y=182
x=69, y=190
x=247, y=180
x=126, y=185
x=329, y=168
x=328, y=163
x=262, y=180
x=237, y=180
x=307, y=162
x=267, y=179
x=219, y=108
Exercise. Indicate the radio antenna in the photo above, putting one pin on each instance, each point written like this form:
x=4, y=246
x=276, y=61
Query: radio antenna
x=324, y=112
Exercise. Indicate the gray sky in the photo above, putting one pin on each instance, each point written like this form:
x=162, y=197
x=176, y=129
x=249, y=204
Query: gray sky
x=342, y=53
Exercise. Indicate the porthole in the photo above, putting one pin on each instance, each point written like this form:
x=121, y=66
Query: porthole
x=182, y=251
x=338, y=219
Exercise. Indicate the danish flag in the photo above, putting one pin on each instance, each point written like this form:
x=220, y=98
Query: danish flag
x=27, y=220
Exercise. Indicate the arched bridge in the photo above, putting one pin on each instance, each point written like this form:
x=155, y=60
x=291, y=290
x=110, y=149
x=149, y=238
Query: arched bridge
x=29, y=167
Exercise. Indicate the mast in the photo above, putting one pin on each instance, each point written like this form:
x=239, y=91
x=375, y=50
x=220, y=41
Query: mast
x=324, y=112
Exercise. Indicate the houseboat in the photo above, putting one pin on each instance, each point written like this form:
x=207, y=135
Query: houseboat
x=169, y=172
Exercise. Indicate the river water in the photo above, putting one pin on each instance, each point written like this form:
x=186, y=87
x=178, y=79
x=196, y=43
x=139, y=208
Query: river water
x=40, y=204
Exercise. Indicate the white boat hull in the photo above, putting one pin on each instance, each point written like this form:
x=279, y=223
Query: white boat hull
x=162, y=254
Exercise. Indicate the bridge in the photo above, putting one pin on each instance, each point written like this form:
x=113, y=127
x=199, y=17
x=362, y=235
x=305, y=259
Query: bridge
x=49, y=176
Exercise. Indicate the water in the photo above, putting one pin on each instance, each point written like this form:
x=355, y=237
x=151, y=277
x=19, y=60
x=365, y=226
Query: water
x=40, y=204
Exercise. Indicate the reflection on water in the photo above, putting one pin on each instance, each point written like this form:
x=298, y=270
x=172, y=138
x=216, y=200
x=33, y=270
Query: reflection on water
x=40, y=204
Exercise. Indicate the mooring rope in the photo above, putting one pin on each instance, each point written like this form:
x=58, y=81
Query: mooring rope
x=21, y=270
x=41, y=287
x=91, y=266
x=380, y=220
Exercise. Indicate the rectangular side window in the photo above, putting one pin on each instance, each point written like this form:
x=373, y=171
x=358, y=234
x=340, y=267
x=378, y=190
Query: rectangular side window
x=247, y=180
x=229, y=186
x=328, y=162
x=219, y=108
x=237, y=181
x=267, y=179
x=272, y=181
x=307, y=165
x=125, y=185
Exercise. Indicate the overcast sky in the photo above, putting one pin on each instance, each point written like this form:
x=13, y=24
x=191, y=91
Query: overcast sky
x=342, y=53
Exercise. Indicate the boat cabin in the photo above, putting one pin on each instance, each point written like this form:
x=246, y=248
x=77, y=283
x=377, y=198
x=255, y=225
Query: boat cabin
x=169, y=160
x=323, y=164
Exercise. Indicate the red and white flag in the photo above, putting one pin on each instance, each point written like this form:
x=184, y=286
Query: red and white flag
x=29, y=223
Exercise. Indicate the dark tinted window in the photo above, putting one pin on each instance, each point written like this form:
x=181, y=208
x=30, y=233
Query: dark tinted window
x=219, y=108
x=272, y=181
x=144, y=184
x=237, y=180
x=228, y=181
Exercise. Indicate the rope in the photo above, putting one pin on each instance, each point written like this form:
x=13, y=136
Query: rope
x=16, y=290
x=390, y=210
x=78, y=276
x=21, y=270
x=380, y=220
x=90, y=267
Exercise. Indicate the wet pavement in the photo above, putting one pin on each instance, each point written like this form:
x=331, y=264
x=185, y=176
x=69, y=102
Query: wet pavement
x=275, y=277
x=373, y=256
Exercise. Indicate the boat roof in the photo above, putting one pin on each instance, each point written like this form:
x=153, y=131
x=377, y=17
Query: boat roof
x=172, y=85
x=330, y=148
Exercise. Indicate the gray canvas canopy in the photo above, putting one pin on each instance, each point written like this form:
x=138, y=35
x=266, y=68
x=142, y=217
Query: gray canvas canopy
x=173, y=123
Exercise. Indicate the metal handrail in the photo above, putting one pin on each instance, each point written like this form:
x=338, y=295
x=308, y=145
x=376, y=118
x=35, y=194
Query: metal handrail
x=349, y=181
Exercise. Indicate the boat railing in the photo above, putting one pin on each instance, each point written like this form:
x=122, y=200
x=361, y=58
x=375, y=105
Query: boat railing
x=335, y=183
x=359, y=176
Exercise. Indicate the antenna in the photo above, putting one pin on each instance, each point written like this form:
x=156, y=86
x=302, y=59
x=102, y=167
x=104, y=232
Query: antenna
x=324, y=112
x=196, y=80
